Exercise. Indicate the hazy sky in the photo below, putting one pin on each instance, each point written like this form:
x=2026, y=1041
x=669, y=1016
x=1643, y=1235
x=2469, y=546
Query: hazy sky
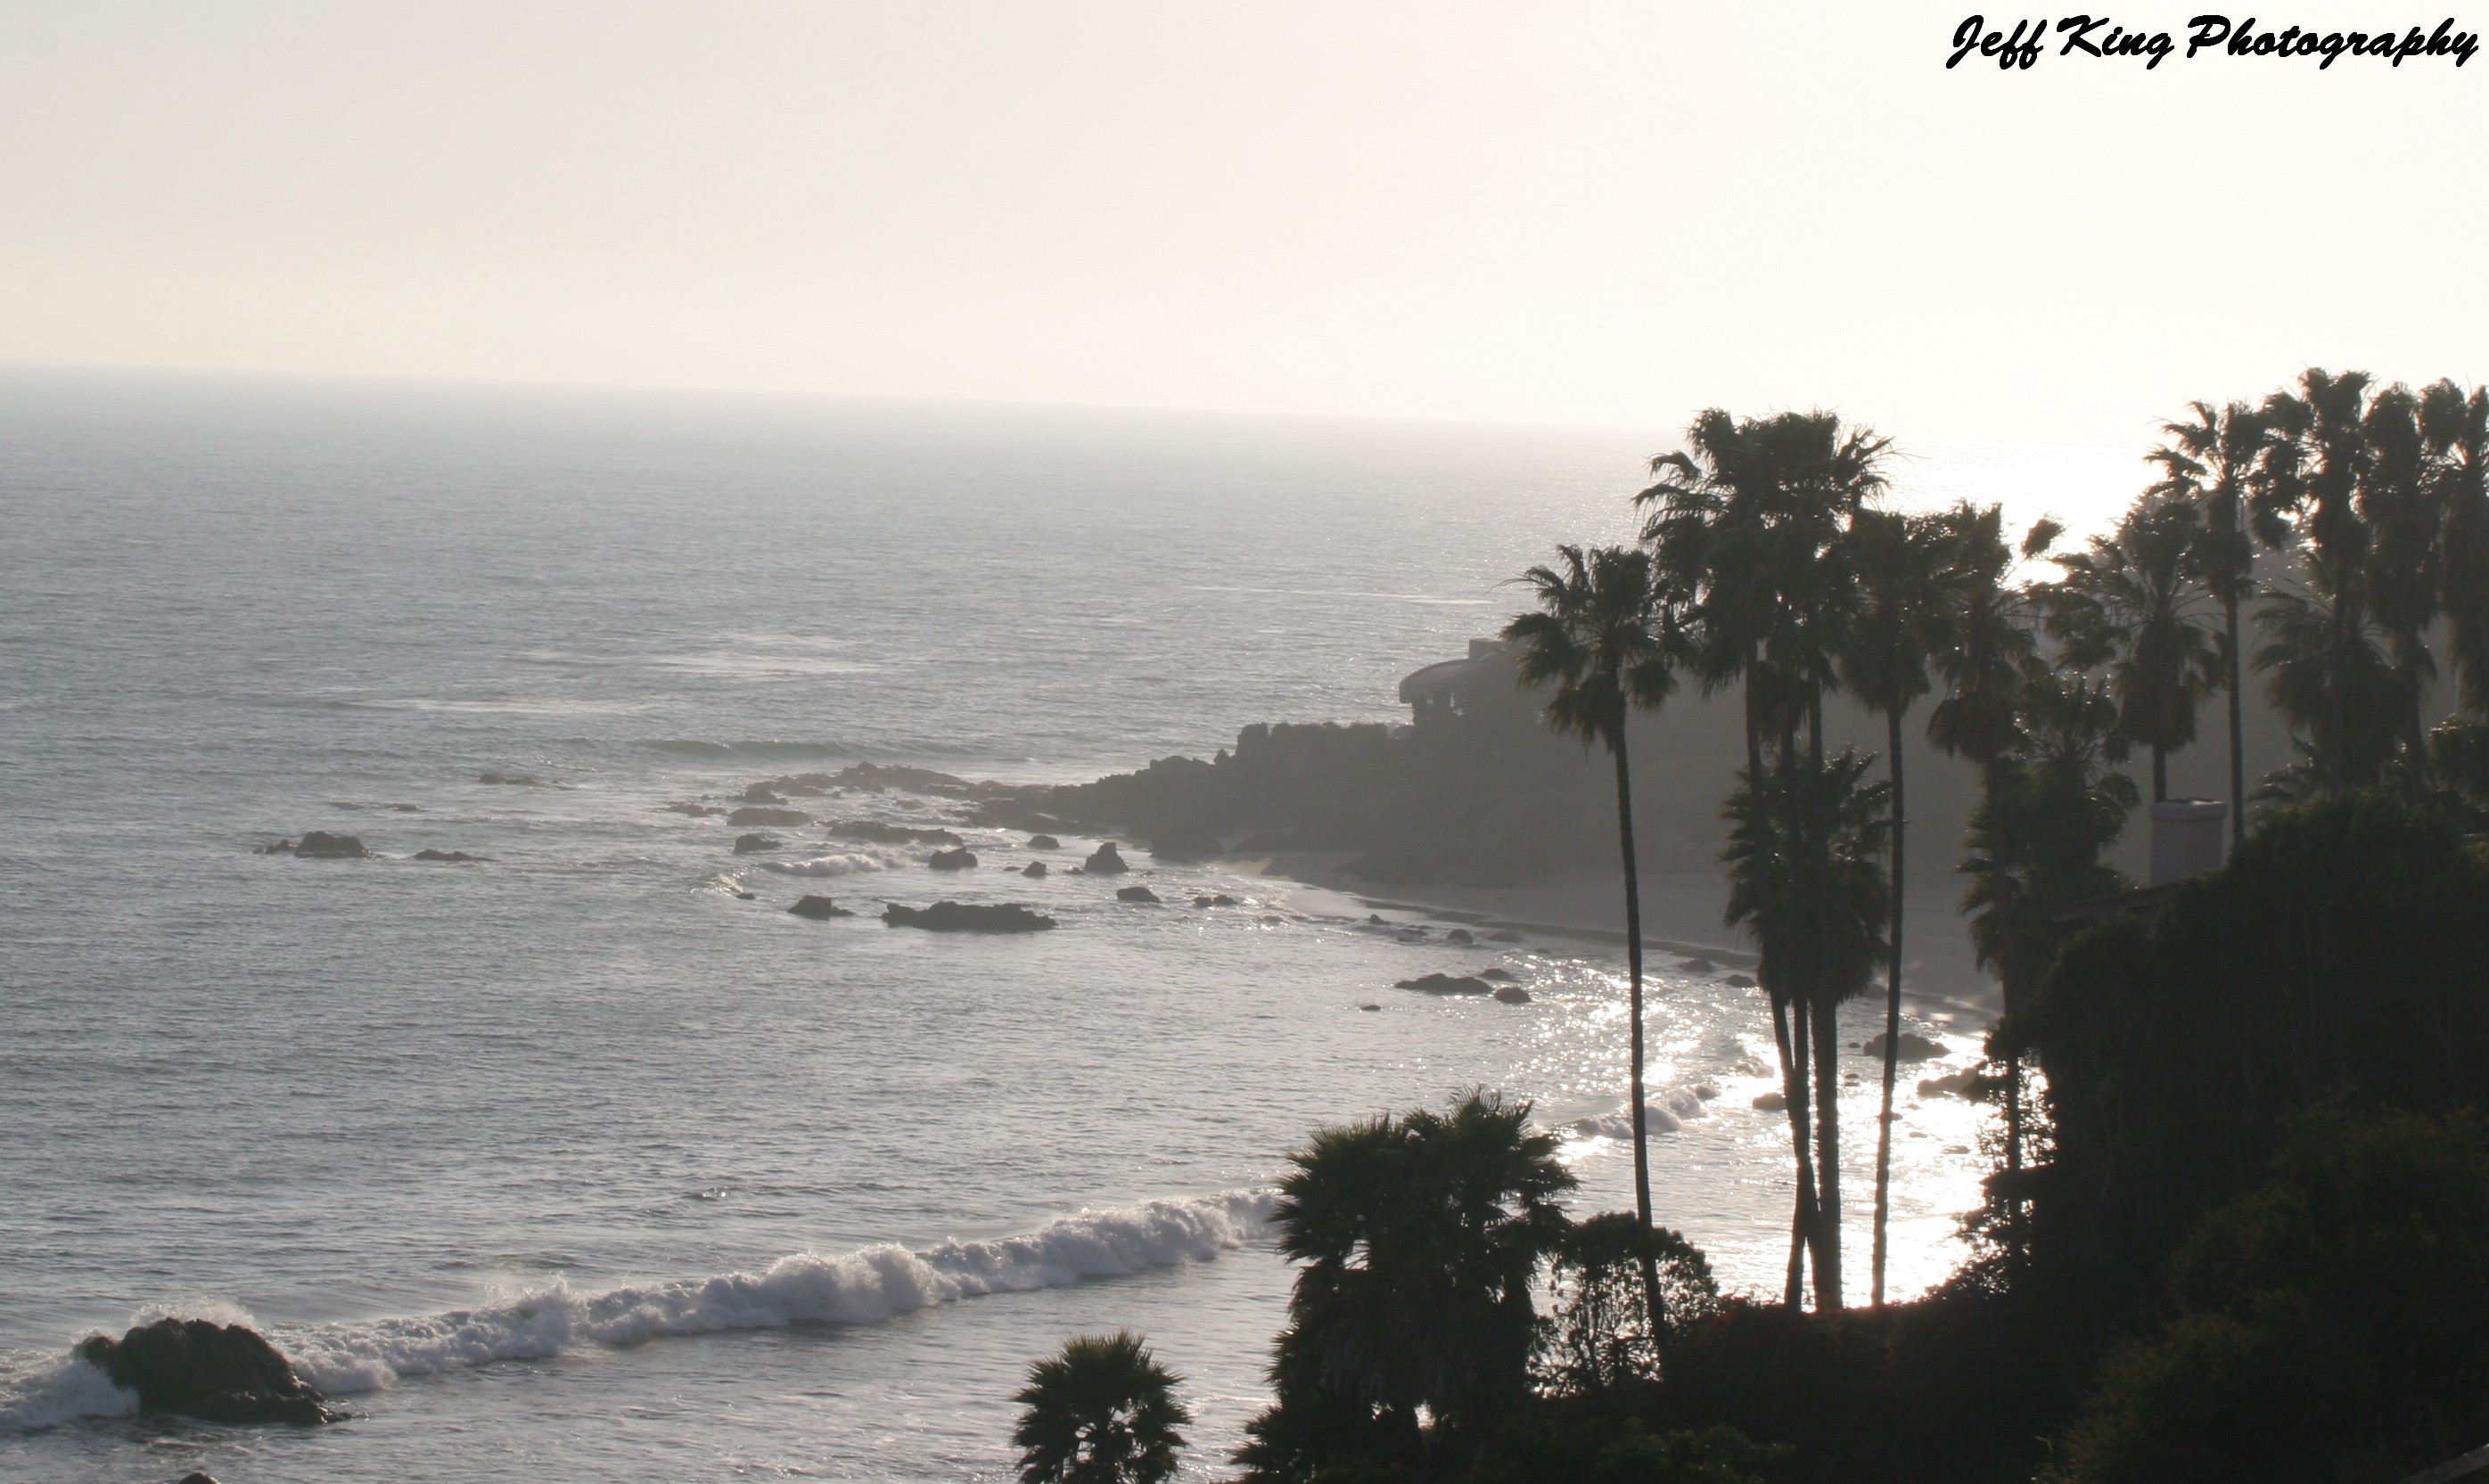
x=1554, y=212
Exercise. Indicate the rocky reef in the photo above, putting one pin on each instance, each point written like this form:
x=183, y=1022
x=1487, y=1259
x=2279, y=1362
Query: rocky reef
x=217, y=1373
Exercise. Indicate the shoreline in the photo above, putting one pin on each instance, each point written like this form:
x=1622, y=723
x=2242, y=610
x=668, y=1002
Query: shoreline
x=1682, y=914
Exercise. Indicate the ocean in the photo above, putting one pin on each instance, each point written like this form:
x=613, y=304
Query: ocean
x=587, y=1159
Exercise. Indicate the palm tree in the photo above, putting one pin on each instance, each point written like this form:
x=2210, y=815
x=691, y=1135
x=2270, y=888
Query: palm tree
x=2128, y=602
x=2313, y=470
x=1748, y=515
x=1604, y=637
x=2211, y=462
x=1103, y=1411
x=1806, y=879
x=2457, y=432
x=1898, y=567
x=2054, y=804
x=1411, y=1324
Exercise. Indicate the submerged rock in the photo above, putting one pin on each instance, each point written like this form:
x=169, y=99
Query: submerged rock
x=1445, y=984
x=818, y=908
x=1033, y=869
x=1739, y=981
x=1459, y=935
x=1106, y=861
x=1370, y=1007
x=1699, y=966
x=963, y=916
x=761, y=814
x=961, y=859
x=695, y=811
x=320, y=844
x=218, y=1373
x=1499, y=976
x=1136, y=894
x=1513, y=994
x=758, y=845
x=449, y=855
x=1913, y=1048
x=1044, y=842
x=1772, y=1102
x=1222, y=899
x=761, y=793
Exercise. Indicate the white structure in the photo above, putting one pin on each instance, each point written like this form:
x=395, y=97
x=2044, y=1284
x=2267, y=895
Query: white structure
x=2189, y=837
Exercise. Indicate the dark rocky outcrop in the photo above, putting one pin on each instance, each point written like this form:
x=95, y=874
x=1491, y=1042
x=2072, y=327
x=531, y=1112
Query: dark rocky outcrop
x=1370, y=1007
x=960, y=859
x=818, y=908
x=695, y=811
x=1106, y=861
x=1445, y=984
x=1033, y=869
x=1739, y=981
x=1698, y=966
x=1459, y=935
x=218, y=1373
x=1497, y=976
x=892, y=834
x=764, y=815
x=963, y=916
x=450, y=855
x=319, y=845
x=1913, y=1048
x=1513, y=994
x=1136, y=894
x=1222, y=899
x=1772, y=1102
x=761, y=793
x=747, y=895
x=1044, y=842
x=758, y=845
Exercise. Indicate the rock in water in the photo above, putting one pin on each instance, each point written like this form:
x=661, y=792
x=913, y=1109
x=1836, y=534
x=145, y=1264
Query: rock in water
x=320, y=844
x=1913, y=1048
x=758, y=845
x=761, y=793
x=892, y=834
x=960, y=859
x=219, y=1373
x=1499, y=976
x=1136, y=894
x=818, y=908
x=1513, y=994
x=1772, y=1102
x=960, y=917
x=695, y=811
x=752, y=814
x=449, y=855
x=1106, y=861
x=1699, y=966
x=1033, y=869
x=1739, y=982
x=1221, y=899
x=1459, y=935
x=1044, y=842
x=1445, y=984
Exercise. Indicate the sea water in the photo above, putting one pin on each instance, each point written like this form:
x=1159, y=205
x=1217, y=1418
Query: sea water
x=587, y=1160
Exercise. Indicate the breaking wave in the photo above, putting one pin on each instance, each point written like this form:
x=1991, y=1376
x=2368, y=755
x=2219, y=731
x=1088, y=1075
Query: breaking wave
x=1665, y=1113
x=767, y=750
x=846, y=863
x=851, y=1288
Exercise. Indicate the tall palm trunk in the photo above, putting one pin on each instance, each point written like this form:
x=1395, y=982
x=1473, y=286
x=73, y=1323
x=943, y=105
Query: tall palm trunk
x=1790, y=1033
x=2237, y=748
x=1827, y=1029
x=1892, y=1021
x=1633, y=962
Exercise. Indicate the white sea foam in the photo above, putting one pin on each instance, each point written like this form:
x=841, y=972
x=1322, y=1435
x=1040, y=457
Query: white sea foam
x=854, y=1288
x=846, y=863
x=1665, y=1113
x=56, y=1390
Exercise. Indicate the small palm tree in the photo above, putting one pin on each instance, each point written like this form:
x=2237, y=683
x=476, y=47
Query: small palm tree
x=1806, y=878
x=2130, y=602
x=2456, y=427
x=1607, y=641
x=1411, y=1324
x=1103, y=1411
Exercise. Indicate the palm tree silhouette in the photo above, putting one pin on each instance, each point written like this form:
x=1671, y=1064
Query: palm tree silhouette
x=1103, y=1411
x=2457, y=432
x=1606, y=639
x=1419, y=1237
x=1898, y=567
x=2128, y=602
x=2211, y=462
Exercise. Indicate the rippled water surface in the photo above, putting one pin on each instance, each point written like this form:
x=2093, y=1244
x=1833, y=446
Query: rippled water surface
x=574, y=1163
